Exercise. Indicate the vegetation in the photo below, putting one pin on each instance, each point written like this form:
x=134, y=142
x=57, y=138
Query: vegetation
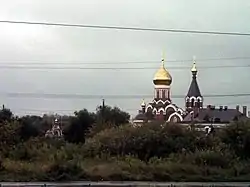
x=103, y=146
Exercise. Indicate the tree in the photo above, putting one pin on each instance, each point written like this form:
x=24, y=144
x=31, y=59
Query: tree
x=79, y=124
x=145, y=142
x=108, y=117
x=30, y=126
x=114, y=115
x=237, y=137
x=9, y=134
x=6, y=115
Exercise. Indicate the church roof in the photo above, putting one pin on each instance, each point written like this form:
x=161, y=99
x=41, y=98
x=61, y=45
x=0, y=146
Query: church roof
x=218, y=115
x=194, y=89
x=141, y=116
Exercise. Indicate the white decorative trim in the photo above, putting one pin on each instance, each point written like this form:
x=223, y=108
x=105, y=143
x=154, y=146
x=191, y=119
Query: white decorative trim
x=161, y=109
x=193, y=97
x=163, y=102
x=180, y=110
x=170, y=106
x=162, y=86
x=173, y=114
x=164, y=110
x=149, y=106
x=201, y=99
x=138, y=121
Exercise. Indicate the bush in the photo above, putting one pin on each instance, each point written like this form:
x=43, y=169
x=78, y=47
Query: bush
x=65, y=171
x=212, y=158
x=145, y=142
x=237, y=137
x=153, y=152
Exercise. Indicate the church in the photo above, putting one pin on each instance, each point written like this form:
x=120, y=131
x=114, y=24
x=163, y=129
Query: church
x=162, y=108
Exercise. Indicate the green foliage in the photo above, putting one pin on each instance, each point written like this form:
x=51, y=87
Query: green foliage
x=9, y=134
x=79, y=125
x=30, y=126
x=114, y=115
x=237, y=137
x=84, y=122
x=103, y=146
x=65, y=171
x=5, y=115
x=145, y=142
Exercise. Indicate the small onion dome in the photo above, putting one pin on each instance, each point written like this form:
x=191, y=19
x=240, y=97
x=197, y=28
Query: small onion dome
x=194, y=69
x=162, y=76
x=140, y=117
x=143, y=104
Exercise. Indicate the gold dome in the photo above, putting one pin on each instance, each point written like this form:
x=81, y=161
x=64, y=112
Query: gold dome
x=162, y=76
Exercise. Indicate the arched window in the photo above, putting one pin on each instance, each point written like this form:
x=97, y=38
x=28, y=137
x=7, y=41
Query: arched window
x=175, y=119
x=217, y=120
x=163, y=94
x=192, y=102
x=198, y=103
x=167, y=94
x=157, y=94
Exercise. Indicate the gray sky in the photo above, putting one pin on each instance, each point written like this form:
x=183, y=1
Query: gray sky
x=33, y=43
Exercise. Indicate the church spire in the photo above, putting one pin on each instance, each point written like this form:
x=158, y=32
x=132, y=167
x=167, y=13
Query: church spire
x=194, y=70
x=163, y=59
x=143, y=106
x=194, y=97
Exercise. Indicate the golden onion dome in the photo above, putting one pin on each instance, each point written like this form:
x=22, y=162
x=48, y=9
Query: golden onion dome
x=162, y=76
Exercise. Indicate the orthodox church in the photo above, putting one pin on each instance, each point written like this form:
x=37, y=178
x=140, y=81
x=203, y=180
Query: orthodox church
x=55, y=131
x=162, y=108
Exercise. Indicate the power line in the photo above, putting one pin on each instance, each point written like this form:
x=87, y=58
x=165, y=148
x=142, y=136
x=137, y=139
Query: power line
x=51, y=111
x=82, y=96
x=71, y=111
x=126, y=28
x=119, y=62
x=114, y=68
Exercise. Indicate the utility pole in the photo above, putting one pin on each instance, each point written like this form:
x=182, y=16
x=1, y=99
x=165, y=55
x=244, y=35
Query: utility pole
x=103, y=110
x=103, y=103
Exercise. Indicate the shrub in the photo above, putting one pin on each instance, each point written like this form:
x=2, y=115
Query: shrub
x=212, y=158
x=65, y=171
x=237, y=137
x=145, y=142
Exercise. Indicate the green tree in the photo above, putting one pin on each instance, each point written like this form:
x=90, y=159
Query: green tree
x=30, y=126
x=113, y=115
x=9, y=135
x=6, y=115
x=79, y=125
x=237, y=137
x=145, y=142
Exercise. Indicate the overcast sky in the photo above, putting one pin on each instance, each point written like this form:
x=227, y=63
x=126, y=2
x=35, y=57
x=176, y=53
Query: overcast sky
x=40, y=44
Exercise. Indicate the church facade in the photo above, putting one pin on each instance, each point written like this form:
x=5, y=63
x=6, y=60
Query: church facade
x=162, y=108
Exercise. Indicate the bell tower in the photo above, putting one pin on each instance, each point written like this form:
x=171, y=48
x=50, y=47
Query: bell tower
x=194, y=99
